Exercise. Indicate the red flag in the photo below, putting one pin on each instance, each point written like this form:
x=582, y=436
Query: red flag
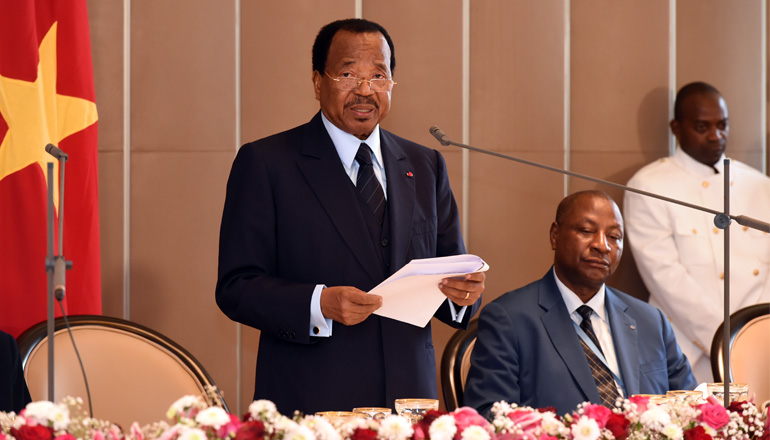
x=46, y=96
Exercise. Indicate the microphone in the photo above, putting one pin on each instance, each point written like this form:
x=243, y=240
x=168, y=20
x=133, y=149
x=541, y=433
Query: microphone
x=56, y=152
x=438, y=134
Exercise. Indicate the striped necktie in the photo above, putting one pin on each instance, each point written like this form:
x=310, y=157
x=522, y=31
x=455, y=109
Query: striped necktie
x=605, y=383
x=368, y=184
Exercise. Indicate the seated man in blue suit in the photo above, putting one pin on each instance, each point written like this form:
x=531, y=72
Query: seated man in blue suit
x=535, y=349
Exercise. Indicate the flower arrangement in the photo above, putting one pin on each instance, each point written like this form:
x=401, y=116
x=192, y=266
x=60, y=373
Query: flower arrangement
x=634, y=419
x=191, y=418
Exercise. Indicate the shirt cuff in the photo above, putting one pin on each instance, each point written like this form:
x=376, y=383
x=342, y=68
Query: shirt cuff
x=319, y=325
x=456, y=316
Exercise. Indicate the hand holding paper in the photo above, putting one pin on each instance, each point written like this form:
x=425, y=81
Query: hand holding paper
x=412, y=294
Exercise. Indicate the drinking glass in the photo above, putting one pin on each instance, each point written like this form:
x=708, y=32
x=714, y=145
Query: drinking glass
x=415, y=409
x=686, y=396
x=656, y=399
x=373, y=412
x=337, y=417
x=738, y=391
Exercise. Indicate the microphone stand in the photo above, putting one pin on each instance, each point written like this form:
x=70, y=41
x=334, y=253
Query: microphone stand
x=722, y=220
x=55, y=266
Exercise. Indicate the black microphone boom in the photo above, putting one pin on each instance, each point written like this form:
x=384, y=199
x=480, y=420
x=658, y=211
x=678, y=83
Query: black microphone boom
x=721, y=220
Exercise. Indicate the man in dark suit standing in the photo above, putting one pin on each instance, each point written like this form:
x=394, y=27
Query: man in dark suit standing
x=318, y=215
x=568, y=338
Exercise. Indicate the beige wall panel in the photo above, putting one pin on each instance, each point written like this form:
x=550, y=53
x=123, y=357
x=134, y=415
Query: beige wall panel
x=276, y=46
x=427, y=36
x=111, y=232
x=512, y=220
x=106, y=27
x=177, y=202
x=517, y=74
x=721, y=43
x=619, y=112
x=619, y=78
x=182, y=75
x=517, y=108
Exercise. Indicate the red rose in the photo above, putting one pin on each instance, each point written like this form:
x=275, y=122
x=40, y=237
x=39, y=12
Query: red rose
x=36, y=432
x=225, y=430
x=641, y=402
x=618, y=425
x=66, y=436
x=599, y=413
x=714, y=415
x=422, y=427
x=465, y=417
x=253, y=430
x=697, y=433
x=736, y=406
x=363, y=434
x=547, y=409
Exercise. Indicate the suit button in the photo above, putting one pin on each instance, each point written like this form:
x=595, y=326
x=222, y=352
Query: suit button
x=722, y=276
x=384, y=242
x=292, y=335
x=316, y=330
x=716, y=230
x=694, y=231
x=745, y=228
x=756, y=272
x=705, y=184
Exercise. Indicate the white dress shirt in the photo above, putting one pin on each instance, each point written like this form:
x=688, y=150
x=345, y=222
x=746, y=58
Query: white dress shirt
x=599, y=321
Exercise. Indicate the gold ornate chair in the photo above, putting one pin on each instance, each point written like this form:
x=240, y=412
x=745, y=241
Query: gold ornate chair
x=455, y=363
x=134, y=373
x=749, y=350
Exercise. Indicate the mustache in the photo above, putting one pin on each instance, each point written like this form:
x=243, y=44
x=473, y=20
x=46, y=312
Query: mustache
x=365, y=100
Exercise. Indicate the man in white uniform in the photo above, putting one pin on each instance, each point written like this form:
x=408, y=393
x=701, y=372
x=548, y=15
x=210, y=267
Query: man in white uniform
x=678, y=250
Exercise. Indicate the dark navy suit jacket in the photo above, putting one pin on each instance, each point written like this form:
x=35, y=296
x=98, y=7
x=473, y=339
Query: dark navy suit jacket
x=528, y=351
x=14, y=395
x=292, y=219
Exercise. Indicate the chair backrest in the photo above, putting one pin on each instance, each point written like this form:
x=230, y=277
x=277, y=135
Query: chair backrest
x=455, y=363
x=134, y=373
x=749, y=350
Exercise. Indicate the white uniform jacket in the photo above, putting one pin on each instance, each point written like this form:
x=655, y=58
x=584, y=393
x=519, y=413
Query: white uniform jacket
x=679, y=251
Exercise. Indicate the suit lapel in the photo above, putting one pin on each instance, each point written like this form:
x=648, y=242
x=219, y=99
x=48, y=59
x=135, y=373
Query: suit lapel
x=561, y=331
x=321, y=166
x=401, y=197
x=624, y=337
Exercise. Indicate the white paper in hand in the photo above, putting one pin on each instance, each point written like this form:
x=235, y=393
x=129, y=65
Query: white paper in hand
x=412, y=295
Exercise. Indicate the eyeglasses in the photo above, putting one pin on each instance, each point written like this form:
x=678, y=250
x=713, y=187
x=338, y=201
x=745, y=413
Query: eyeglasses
x=351, y=83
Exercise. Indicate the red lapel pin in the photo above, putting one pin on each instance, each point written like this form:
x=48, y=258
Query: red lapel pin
x=409, y=174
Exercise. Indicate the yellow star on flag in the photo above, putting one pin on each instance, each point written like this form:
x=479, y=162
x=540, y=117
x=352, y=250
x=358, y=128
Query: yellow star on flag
x=36, y=115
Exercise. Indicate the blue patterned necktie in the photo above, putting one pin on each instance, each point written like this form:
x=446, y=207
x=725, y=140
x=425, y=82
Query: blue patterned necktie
x=605, y=383
x=368, y=184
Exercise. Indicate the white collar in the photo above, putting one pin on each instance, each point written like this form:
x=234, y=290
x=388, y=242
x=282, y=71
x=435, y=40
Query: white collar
x=572, y=301
x=347, y=144
x=694, y=167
